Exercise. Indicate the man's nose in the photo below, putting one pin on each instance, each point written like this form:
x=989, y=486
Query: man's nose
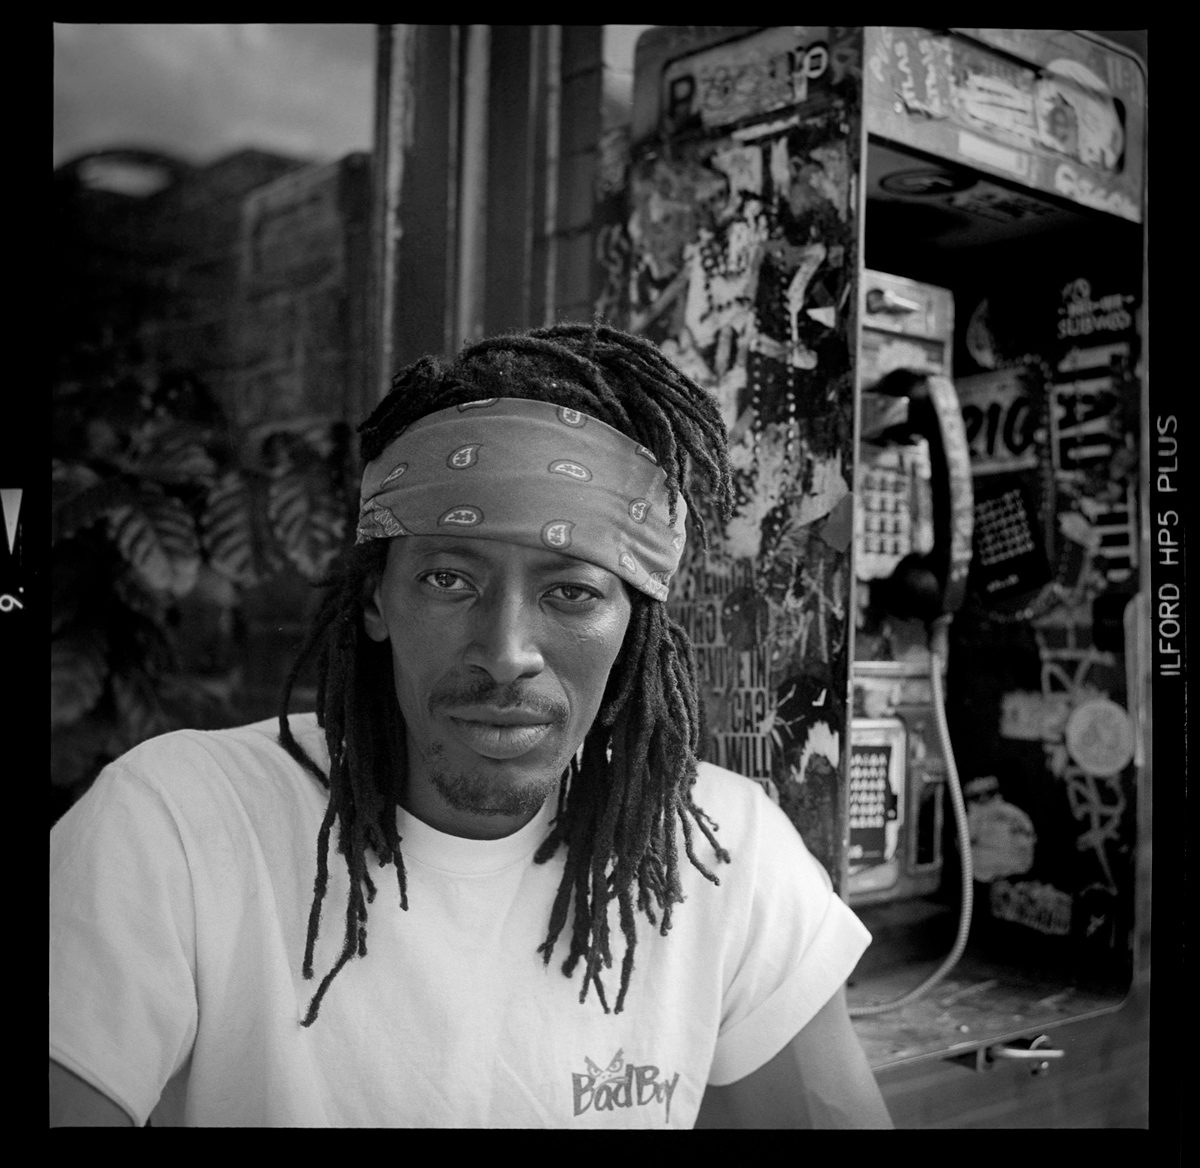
x=504, y=639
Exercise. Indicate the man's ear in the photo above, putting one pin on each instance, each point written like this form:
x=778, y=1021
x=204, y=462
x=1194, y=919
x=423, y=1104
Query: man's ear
x=373, y=620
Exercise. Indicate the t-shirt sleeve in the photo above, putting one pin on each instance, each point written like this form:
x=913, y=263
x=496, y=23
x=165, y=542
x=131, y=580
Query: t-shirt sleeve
x=800, y=944
x=122, y=942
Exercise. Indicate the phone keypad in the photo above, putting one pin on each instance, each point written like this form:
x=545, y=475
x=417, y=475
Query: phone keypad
x=884, y=527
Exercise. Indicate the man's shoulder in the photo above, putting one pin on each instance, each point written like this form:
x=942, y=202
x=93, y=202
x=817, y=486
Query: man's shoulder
x=180, y=758
x=746, y=810
x=252, y=736
x=716, y=784
x=738, y=805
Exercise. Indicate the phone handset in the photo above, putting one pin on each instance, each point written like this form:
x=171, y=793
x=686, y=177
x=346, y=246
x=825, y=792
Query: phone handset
x=931, y=581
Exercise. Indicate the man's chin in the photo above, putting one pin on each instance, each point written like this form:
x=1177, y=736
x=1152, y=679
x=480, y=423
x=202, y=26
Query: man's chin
x=494, y=795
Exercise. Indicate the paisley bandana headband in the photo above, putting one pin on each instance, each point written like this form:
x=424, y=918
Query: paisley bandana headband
x=534, y=474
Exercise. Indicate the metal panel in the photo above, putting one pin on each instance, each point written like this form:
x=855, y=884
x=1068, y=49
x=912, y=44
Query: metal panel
x=1046, y=108
x=743, y=229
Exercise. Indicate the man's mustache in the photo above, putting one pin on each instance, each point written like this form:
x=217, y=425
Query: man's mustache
x=454, y=693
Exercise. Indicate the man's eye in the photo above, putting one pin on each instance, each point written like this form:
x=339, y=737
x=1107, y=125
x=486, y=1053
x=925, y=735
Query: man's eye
x=445, y=581
x=573, y=593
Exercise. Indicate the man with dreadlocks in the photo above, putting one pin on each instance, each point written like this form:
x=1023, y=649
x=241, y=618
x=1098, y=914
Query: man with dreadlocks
x=508, y=720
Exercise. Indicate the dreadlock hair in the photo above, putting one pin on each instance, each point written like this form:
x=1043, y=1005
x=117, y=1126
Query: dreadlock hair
x=625, y=799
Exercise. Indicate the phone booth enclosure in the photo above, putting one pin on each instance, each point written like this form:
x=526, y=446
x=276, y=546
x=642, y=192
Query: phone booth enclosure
x=743, y=227
x=1007, y=166
x=787, y=186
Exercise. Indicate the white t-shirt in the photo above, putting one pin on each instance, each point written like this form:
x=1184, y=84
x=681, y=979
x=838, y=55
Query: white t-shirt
x=180, y=891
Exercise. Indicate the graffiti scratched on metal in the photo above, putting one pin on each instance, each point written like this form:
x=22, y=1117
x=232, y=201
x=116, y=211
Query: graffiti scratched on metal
x=742, y=267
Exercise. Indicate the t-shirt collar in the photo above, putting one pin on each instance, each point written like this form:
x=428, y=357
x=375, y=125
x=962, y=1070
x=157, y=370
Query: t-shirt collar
x=452, y=853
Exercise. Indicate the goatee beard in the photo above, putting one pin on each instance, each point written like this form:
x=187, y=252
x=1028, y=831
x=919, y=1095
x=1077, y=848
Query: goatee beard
x=481, y=794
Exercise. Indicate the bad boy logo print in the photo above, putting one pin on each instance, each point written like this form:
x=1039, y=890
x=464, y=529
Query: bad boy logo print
x=620, y=1085
x=571, y=417
x=639, y=509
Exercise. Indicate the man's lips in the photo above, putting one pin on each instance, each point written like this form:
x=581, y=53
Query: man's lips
x=499, y=733
x=499, y=716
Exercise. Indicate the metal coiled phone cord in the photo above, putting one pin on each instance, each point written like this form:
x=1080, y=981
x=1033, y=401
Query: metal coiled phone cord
x=938, y=652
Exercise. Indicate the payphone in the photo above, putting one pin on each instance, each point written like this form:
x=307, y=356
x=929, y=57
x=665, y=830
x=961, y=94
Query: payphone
x=907, y=264
x=913, y=534
x=912, y=550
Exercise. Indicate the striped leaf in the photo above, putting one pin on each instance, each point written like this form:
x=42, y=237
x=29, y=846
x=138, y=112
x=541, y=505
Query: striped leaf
x=157, y=537
x=85, y=499
x=233, y=539
x=144, y=606
x=69, y=478
x=78, y=670
x=307, y=520
x=73, y=487
x=315, y=432
x=173, y=453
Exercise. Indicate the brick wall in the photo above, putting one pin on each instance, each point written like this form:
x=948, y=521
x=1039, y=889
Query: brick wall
x=299, y=329
x=192, y=230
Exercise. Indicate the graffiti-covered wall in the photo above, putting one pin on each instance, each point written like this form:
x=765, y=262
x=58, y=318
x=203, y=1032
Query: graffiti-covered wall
x=741, y=230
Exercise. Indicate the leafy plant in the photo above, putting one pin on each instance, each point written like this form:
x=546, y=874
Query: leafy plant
x=162, y=521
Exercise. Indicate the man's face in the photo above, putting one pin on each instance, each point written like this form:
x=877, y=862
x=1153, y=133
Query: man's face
x=500, y=654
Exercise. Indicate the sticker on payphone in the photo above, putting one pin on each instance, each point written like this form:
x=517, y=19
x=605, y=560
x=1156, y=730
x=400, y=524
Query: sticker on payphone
x=876, y=802
x=1009, y=554
x=768, y=72
x=1001, y=420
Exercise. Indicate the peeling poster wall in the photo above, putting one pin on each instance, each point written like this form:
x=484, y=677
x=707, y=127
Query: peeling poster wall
x=742, y=266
